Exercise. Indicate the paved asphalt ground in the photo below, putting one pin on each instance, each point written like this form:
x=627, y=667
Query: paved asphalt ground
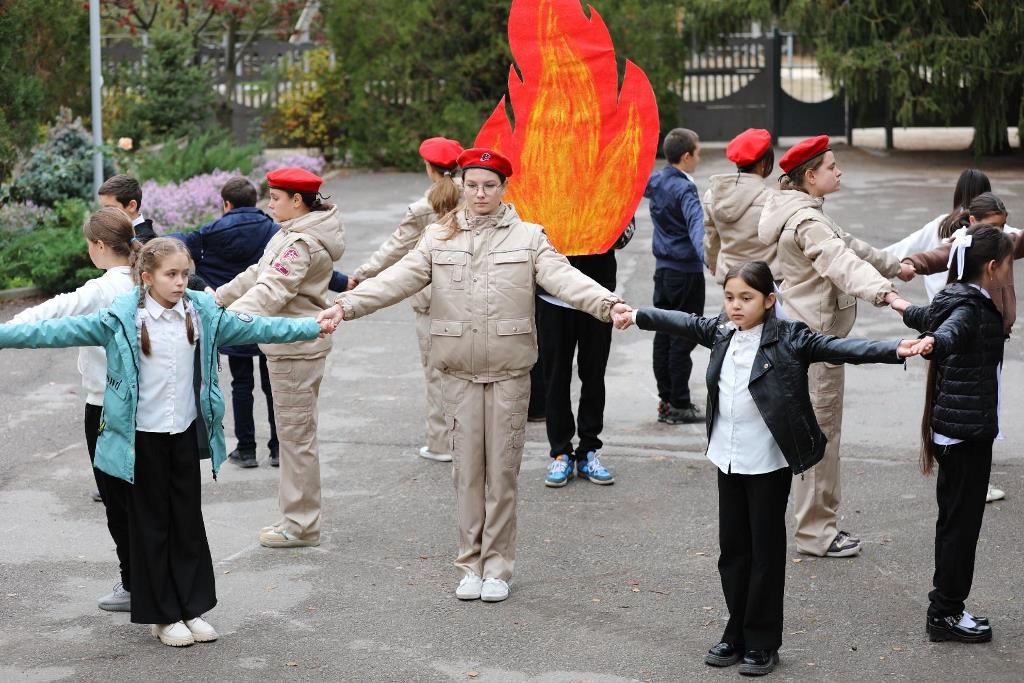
x=612, y=584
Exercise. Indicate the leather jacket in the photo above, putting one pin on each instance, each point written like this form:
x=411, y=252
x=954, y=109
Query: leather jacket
x=778, y=379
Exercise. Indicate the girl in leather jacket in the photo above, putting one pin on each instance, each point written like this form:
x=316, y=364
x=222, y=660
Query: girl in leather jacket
x=761, y=431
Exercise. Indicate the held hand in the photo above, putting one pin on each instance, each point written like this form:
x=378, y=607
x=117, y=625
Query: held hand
x=907, y=271
x=899, y=305
x=327, y=327
x=915, y=347
x=352, y=282
x=334, y=314
x=622, y=315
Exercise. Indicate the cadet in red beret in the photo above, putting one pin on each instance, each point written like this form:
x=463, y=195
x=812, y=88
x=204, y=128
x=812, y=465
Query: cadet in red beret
x=479, y=157
x=440, y=161
x=733, y=203
x=293, y=179
x=824, y=271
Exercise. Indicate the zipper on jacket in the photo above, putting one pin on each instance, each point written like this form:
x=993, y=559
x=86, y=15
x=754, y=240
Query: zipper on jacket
x=209, y=380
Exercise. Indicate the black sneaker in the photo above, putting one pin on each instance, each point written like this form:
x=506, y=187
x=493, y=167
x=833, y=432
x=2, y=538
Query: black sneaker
x=687, y=415
x=949, y=628
x=724, y=654
x=843, y=545
x=275, y=458
x=759, y=662
x=244, y=459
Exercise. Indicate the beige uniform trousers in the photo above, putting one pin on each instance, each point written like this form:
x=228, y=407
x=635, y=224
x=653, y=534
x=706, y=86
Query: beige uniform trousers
x=816, y=492
x=296, y=386
x=436, y=427
x=487, y=428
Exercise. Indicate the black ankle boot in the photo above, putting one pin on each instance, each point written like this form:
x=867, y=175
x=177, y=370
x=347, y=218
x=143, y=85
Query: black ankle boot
x=759, y=662
x=724, y=654
x=949, y=628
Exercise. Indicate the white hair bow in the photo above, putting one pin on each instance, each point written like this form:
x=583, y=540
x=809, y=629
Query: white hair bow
x=961, y=241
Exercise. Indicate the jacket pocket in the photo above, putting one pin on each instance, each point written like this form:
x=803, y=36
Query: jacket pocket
x=449, y=269
x=512, y=269
x=448, y=348
x=446, y=328
x=118, y=385
x=515, y=326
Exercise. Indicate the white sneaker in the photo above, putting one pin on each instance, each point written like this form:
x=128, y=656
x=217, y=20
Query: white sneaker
x=431, y=455
x=469, y=587
x=175, y=635
x=494, y=590
x=201, y=630
x=994, y=494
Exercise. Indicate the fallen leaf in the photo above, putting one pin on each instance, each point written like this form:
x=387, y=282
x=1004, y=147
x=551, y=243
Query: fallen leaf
x=292, y=663
x=700, y=553
x=636, y=590
x=472, y=674
x=595, y=600
x=797, y=560
x=227, y=571
x=897, y=648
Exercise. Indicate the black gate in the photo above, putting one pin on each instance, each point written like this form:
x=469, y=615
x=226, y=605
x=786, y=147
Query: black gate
x=759, y=82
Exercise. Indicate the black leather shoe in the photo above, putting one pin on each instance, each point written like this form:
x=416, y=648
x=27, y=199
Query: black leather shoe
x=723, y=654
x=275, y=458
x=759, y=662
x=949, y=628
x=980, y=621
x=243, y=458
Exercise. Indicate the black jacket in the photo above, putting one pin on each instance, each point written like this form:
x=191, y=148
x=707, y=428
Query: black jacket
x=969, y=337
x=778, y=379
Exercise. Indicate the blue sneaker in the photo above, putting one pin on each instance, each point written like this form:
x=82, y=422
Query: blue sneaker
x=559, y=472
x=593, y=470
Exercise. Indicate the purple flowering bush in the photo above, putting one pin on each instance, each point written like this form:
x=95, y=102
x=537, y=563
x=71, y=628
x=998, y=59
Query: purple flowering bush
x=17, y=216
x=185, y=205
x=312, y=164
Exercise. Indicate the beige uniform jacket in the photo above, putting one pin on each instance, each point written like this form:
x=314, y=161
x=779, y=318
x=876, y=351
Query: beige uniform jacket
x=418, y=216
x=482, y=304
x=732, y=209
x=291, y=278
x=824, y=270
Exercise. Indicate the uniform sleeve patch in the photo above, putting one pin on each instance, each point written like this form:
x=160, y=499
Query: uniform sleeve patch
x=279, y=267
x=290, y=254
x=244, y=317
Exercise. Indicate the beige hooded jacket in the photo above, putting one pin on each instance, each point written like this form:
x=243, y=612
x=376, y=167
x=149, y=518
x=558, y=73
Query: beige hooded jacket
x=482, y=303
x=291, y=278
x=732, y=209
x=824, y=270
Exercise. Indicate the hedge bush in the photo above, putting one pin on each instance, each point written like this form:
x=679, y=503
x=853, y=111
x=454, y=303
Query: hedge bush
x=52, y=257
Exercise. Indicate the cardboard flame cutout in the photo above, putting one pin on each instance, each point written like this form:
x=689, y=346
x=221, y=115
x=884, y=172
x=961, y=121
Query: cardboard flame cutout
x=581, y=149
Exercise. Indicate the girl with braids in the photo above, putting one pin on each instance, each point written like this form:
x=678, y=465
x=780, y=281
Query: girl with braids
x=439, y=160
x=112, y=244
x=961, y=416
x=162, y=413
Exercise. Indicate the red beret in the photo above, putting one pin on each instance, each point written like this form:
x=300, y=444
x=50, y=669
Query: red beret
x=441, y=152
x=294, y=179
x=748, y=146
x=480, y=157
x=803, y=151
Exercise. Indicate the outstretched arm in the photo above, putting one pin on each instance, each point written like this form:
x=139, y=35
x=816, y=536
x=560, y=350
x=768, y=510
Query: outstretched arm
x=815, y=347
x=243, y=328
x=79, y=330
x=695, y=328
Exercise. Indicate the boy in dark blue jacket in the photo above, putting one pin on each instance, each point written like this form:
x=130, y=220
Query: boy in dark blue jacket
x=679, y=270
x=221, y=250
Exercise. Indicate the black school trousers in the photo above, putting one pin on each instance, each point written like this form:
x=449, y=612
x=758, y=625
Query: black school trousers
x=116, y=493
x=172, y=572
x=565, y=333
x=243, y=383
x=960, y=489
x=752, y=563
x=675, y=291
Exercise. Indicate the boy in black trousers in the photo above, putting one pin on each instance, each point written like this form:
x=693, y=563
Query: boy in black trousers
x=679, y=273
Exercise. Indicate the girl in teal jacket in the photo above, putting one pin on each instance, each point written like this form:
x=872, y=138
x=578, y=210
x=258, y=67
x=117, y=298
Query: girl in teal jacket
x=162, y=413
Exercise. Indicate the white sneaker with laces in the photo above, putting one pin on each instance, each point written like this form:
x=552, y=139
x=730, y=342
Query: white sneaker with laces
x=201, y=630
x=469, y=587
x=431, y=455
x=994, y=494
x=494, y=590
x=175, y=635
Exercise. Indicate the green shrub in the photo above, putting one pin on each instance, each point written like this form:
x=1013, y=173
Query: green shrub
x=201, y=154
x=53, y=257
x=61, y=167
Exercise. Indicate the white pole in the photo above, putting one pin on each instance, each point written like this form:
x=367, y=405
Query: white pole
x=96, y=77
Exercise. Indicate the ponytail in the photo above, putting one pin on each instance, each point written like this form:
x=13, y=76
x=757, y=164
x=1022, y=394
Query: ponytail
x=444, y=195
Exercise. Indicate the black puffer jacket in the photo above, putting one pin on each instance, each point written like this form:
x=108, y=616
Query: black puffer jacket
x=969, y=337
x=778, y=378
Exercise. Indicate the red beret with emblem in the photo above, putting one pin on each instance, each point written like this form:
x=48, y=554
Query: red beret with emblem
x=748, y=146
x=294, y=180
x=805, y=150
x=441, y=152
x=480, y=157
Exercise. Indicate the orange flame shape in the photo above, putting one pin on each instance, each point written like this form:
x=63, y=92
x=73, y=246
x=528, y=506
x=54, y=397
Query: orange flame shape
x=581, y=150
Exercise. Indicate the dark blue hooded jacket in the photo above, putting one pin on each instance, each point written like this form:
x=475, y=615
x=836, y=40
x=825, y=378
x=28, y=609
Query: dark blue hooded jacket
x=678, y=221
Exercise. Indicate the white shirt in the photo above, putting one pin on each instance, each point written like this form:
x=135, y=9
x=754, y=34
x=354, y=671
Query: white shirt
x=138, y=219
x=94, y=295
x=167, y=399
x=740, y=441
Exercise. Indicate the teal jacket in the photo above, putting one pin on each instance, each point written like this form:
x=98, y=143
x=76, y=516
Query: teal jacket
x=114, y=329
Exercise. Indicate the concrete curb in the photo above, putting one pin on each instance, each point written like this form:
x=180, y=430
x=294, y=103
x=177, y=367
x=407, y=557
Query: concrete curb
x=20, y=293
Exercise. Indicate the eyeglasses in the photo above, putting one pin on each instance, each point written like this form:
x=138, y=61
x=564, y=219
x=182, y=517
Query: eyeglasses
x=488, y=188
